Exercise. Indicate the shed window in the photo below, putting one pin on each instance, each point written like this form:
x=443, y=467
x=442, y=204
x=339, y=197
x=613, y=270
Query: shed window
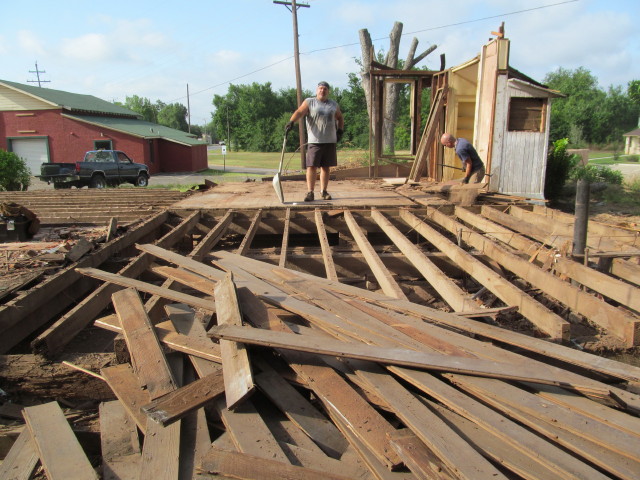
x=527, y=114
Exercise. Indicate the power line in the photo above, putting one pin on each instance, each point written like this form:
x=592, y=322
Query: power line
x=386, y=37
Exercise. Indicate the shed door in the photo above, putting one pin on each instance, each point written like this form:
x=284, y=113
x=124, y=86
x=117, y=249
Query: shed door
x=33, y=150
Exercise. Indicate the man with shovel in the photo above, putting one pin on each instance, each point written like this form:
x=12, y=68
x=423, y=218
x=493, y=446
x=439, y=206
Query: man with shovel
x=471, y=162
x=325, y=125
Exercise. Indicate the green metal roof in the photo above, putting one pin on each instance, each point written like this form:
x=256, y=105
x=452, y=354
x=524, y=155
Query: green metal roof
x=73, y=102
x=139, y=128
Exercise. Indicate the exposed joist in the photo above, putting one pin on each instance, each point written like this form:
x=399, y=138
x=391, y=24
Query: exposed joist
x=329, y=266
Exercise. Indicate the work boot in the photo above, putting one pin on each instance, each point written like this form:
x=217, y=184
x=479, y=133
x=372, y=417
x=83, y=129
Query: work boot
x=309, y=197
x=325, y=195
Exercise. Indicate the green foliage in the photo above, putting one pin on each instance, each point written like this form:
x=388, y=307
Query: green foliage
x=143, y=106
x=559, y=164
x=173, y=115
x=633, y=158
x=14, y=173
x=589, y=114
x=594, y=174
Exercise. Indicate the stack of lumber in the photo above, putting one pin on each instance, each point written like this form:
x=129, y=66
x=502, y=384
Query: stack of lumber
x=272, y=373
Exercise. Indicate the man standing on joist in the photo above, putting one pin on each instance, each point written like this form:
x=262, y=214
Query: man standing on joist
x=325, y=125
x=471, y=163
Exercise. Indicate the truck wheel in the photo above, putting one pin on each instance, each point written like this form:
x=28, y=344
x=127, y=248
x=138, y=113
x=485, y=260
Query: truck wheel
x=142, y=180
x=97, y=181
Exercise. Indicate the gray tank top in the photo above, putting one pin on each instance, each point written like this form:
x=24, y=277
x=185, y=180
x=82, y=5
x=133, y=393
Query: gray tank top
x=321, y=121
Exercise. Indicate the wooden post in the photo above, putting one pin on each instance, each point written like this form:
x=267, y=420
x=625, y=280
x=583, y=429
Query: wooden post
x=582, y=217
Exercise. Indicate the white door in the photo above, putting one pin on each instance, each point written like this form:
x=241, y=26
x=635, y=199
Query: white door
x=33, y=150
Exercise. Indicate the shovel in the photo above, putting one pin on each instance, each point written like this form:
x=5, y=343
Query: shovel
x=276, y=178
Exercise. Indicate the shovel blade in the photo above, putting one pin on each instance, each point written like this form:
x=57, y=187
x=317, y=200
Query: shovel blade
x=278, y=187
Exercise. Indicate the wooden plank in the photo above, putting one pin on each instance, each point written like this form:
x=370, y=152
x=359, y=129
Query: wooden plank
x=60, y=453
x=186, y=278
x=581, y=437
x=184, y=262
x=338, y=397
x=538, y=346
x=194, y=443
x=212, y=237
x=614, y=320
x=607, y=285
x=314, y=461
x=119, y=442
x=428, y=134
x=249, y=432
x=390, y=356
x=148, y=288
x=565, y=418
x=302, y=413
x=418, y=458
x=542, y=317
x=459, y=457
x=492, y=446
x=238, y=380
x=329, y=266
x=21, y=460
x=177, y=404
x=241, y=465
x=63, y=330
x=446, y=288
x=161, y=449
x=183, y=319
x=203, y=347
x=126, y=388
x=285, y=239
x=251, y=232
x=147, y=358
x=383, y=276
x=538, y=449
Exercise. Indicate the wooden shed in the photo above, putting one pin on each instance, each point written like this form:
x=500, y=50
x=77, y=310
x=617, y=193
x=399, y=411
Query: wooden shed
x=504, y=113
x=632, y=142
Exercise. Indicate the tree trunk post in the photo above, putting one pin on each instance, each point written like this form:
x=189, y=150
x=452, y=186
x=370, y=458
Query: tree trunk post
x=582, y=217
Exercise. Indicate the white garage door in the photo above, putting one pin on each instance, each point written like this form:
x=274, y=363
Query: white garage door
x=33, y=150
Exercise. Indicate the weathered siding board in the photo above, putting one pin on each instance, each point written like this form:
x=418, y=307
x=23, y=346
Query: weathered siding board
x=13, y=100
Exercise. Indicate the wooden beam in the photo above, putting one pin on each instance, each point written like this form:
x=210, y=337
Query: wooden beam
x=383, y=276
x=148, y=288
x=21, y=460
x=543, y=318
x=597, y=281
x=213, y=237
x=238, y=380
x=250, y=467
x=450, y=292
x=148, y=361
x=285, y=239
x=60, y=453
x=387, y=356
x=251, y=232
x=177, y=404
x=329, y=266
x=614, y=320
x=54, y=339
x=119, y=442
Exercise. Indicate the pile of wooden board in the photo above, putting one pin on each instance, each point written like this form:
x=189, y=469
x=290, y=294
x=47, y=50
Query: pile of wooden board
x=273, y=373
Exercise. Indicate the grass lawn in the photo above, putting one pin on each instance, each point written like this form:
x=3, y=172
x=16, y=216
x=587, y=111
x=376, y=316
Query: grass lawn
x=609, y=157
x=272, y=159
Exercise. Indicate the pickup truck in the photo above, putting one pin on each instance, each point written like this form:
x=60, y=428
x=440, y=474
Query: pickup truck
x=98, y=169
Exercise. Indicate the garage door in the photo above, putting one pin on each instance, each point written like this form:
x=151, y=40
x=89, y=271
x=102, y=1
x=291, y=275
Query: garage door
x=33, y=150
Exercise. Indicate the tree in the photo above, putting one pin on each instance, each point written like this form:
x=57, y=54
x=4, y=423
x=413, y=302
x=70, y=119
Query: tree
x=14, y=173
x=143, y=106
x=173, y=115
x=392, y=91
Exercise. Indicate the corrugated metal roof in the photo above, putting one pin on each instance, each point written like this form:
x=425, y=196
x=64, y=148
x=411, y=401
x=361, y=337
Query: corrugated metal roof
x=139, y=128
x=72, y=101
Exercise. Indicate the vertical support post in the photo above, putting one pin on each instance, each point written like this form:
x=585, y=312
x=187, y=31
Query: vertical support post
x=582, y=217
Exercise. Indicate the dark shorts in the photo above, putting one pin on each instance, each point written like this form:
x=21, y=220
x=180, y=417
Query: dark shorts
x=321, y=155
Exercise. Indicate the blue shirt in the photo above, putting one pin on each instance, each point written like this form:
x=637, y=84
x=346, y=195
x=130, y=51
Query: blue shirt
x=466, y=153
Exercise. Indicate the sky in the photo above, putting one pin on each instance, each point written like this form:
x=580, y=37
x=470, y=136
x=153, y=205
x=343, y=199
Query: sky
x=158, y=50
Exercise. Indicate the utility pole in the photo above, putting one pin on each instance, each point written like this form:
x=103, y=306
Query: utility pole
x=188, y=110
x=38, y=72
x=296, y=54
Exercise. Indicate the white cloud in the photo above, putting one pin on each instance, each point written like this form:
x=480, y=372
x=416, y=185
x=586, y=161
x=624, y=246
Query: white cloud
x=31, y=43
x=94, y=47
